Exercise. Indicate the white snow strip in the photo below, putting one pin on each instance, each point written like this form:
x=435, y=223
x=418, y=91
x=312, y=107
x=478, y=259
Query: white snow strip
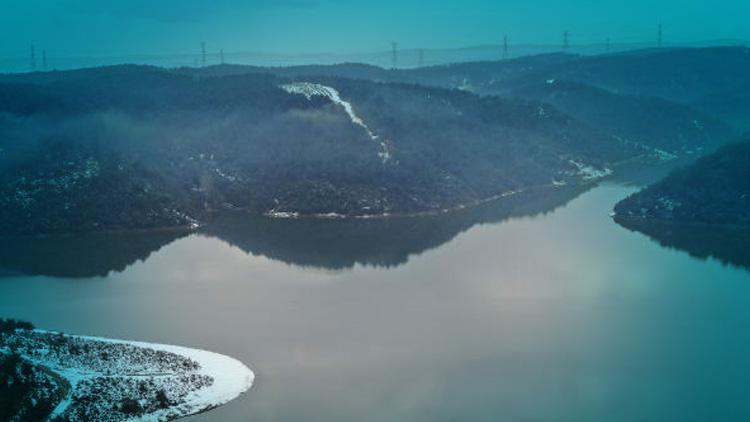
x=330, y=216
x=588, y=172
x=310, y=90
x=660, y=154
x=282, y=214
x=663, y=155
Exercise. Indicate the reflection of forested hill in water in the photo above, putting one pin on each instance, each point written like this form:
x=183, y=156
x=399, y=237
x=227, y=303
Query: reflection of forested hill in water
x=340, y=244
x=80, y=256
x=726, y=244
x=330, y=244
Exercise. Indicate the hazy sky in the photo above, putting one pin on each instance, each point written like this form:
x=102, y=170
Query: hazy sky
x=122, y=27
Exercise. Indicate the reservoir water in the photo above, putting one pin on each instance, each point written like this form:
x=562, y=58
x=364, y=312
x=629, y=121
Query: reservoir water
x=520, y=311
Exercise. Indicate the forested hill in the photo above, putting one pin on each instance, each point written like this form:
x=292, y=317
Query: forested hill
x=141, y=147
x=714, y=191
x=681, y=101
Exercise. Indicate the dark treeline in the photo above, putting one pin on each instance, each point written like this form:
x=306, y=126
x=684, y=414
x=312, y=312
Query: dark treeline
x=27, y=392
x=11, y=325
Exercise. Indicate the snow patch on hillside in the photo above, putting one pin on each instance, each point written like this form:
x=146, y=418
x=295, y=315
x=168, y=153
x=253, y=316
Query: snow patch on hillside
x=660, y=154
x=281, y=214
x=310, y=90
x=589, y=173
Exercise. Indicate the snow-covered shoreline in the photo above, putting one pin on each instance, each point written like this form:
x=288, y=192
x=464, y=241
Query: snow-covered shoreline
x=282, y=215
x=166, y=382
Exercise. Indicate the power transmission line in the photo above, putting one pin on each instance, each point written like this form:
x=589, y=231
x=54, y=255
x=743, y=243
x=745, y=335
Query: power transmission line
x=421, y=57
x=660, y=40
x=505, y=46
x=44, y=59
x=394, y=55
x=203, y=54
x=33, y=56
x=566, y=41
x=221, y=55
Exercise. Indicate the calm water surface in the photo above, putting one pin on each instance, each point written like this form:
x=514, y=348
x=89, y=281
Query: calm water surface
x=563, y=316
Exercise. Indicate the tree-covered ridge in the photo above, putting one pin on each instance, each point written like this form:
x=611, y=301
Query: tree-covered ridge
x=671, y=128
x=714, y=190
x=680, y=101
x=131, y=147
x=680, y=75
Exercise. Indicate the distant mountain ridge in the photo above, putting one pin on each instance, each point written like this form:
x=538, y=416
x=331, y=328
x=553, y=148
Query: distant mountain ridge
x=673, y=99
x=408, y=57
